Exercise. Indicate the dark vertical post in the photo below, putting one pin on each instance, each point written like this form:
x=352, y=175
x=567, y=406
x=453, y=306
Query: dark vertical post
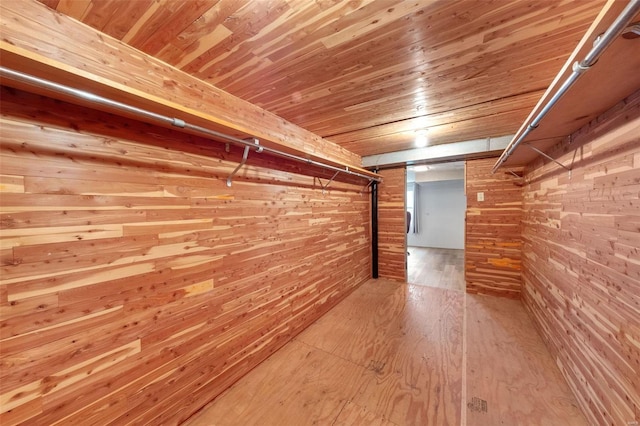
x=374, y=229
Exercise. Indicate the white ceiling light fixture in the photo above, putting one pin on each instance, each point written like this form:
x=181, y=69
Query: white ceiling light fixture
x=421, y=138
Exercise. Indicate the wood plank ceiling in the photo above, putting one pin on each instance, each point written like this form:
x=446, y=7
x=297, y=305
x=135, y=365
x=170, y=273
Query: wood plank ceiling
x=366, y=74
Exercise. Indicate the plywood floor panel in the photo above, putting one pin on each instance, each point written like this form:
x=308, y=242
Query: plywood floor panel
x=519, y=383
x=354, y=415
x=310, y=387
x=351, y=331
x=417, y=378
x=391, y=354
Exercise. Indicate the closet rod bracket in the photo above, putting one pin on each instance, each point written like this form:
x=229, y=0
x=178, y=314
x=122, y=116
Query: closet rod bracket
x=366, y=187
x=324, y=187
x=548, y=157
x=517, y=176
x=245, y=155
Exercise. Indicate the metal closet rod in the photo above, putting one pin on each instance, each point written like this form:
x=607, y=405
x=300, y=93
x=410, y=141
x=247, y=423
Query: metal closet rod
x=579, y=68
x=129, y=109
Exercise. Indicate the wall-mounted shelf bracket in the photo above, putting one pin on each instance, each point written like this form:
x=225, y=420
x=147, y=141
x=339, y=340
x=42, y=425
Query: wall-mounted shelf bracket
x=548, y=157
x=245, y=155
x=324, y=187
x=516, y=175
x=259, y=148
x=366, y=187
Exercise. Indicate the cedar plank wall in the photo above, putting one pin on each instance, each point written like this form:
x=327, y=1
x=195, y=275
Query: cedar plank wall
x=392, y=225
x=135, y=285
x=32, y=26
x=581, y=262
x=493, y=239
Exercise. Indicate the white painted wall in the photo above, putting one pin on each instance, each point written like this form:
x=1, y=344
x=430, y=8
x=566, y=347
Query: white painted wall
x=442, y=209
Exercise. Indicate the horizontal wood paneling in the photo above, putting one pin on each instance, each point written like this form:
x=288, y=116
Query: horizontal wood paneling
x=392, y=225
x=362, y=72
x=493, y=241
x=136, y=286
x=50, y=45
x=581, y=262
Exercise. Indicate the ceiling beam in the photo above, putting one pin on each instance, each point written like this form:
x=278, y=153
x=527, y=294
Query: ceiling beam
x=477, y=148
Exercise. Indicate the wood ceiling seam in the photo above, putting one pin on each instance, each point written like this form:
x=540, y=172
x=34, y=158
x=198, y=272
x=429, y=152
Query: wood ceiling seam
x=197, y=36
x=118, y=25
x=423, y=120
x=74, y=8
x=446, y=112
x=139, y=24
x=182, y=18
x=316, y=23
x=237, y=42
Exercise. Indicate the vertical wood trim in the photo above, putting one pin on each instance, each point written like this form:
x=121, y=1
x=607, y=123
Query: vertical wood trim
x=493, y=241
x=392, y=224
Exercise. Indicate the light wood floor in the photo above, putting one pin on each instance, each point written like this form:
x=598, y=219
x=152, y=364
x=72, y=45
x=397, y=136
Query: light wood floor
x=402, y=354
x=436, y=267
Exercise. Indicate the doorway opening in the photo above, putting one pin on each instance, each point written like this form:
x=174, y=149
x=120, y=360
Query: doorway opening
x=436, y=203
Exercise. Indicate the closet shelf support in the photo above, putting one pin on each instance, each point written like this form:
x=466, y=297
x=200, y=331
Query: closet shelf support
x=548, y=157
x=245, y=155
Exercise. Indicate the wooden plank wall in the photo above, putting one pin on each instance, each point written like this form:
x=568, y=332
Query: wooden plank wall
x=493, y=240
x=136, y=286
x=581, y=263
x=275, y=54
x=392, y=225
x=61, y=43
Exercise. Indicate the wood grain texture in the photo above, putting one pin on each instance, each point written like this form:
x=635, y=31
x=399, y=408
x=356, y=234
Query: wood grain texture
x=493, y=240
x=50, y=45
x=613, y=77
x=511, y=379
x=135, y=285
x=311, y=387
x=390, y=354
x=364, y=73
x=581, y=261
x=436, y=267
x=392, y=225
